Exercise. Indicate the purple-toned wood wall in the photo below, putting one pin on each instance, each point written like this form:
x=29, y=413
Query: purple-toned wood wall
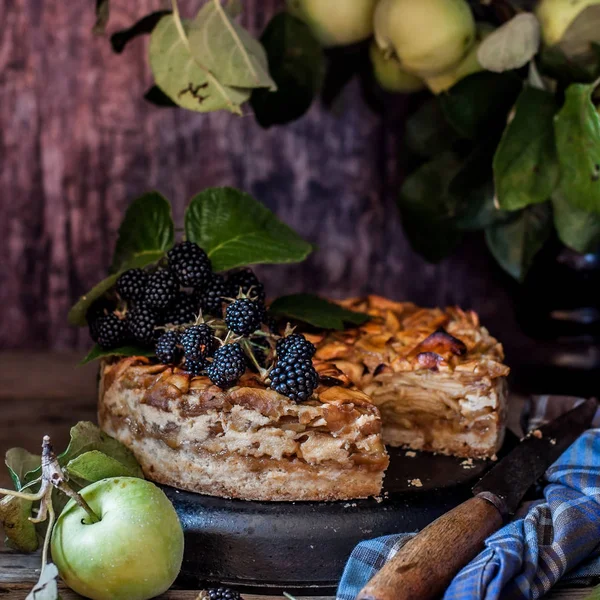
x=78, y=142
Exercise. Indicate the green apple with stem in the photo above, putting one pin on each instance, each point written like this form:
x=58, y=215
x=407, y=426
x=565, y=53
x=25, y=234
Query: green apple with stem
x=390, y=75
x=555, y=16
x=133, y=551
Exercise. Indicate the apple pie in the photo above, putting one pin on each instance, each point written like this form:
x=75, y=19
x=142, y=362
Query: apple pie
x=426, y=379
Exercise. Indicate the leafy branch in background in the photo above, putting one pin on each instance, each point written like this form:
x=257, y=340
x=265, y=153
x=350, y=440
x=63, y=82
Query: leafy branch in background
x=509, y=144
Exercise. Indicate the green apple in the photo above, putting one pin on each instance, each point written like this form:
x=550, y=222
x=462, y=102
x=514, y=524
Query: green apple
x=134, y=552
x=336, y=22
x=428, y=36
x=555, y=16
x=390, y=75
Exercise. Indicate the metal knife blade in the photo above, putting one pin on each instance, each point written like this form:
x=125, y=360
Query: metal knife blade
x=510, y=479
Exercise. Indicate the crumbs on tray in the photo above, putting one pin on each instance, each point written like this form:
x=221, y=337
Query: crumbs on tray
x=415, y=482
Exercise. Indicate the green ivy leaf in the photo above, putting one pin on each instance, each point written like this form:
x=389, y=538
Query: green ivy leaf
x=185, y=80
x=236, y=230
x=145, y=234
x=95, y=465
x=578, y=229
x=296, y=64
x=227, y=49
x=525, y=164
x=480, y=101
x=19, y=462
x=79, y=310
x=515, y=243
x=19, y=530
x=512, y=45
x=96, y=352
x=47, y=586
x=316, y=311
x=120, y=39
x=577, y=129
x=428, y=209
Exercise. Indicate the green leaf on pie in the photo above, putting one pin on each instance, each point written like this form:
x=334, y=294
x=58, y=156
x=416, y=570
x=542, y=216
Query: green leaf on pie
x=316, y=311
x=225, y=48
x=145, y=234
x=97, y=352
x=578, y=229
x=47, y=586
x=577, y=129
x=14, y=519
x=236, y=230
x=515, y=243
x=512, y=45
x=296, y=63
x=20, y=462
x=77, y=314
x=95, y=465
x=186, y=81
x=525, y=164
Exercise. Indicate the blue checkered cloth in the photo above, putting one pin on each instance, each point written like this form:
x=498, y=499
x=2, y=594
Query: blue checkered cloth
x=558, y=537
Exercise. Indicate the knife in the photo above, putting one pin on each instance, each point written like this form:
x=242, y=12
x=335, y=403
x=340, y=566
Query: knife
x=424, y=567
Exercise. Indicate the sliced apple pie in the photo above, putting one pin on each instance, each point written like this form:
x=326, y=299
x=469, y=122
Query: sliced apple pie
x=427, y=379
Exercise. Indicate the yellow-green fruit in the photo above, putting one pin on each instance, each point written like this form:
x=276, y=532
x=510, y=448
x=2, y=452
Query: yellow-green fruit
x=555, y=16
x=390, y=75
x=428, y=36
x=336, y=22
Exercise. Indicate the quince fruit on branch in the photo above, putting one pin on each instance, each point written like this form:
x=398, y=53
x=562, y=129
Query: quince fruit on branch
x=390, y=75
x=555, y=17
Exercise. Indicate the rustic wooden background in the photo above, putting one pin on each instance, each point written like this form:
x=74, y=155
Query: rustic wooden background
x=78, y=142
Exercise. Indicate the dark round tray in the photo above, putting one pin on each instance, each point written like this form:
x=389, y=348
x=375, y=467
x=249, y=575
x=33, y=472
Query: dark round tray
x=303, y=546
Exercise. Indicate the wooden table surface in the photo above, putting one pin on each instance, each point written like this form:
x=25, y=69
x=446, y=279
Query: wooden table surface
x=45, y=393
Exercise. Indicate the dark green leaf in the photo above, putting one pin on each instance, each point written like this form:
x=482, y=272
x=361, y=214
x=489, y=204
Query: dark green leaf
x=120, y=39
x=95, y=465
x=480, y=101
x=316, y=312
x=102, y=14
x=428, y=209
x=145, y=234
x=577, y=129
x=236, y=230
x=579, y=229
x=515, y=243
x=296, y=65
x=553, y=62
x=79, y=310
x=47, y=586
x=156, y=96
x=96, y=352
x=14, y=518
x=19, y=462
x=341, y=66
x=525, y=165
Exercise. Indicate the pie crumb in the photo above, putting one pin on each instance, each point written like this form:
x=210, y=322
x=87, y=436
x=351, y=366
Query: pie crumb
x=493, y=458
x=553, y=441
x=537, y=434
x=410, y=453
x=415, y=482
x=467, y=464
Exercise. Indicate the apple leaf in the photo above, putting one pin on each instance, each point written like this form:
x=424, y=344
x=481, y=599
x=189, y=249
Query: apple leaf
x=97, y=352
x=512, y=45
x=185, y=80
x=577, y=129
x=296, y=63
x=525, y=164
x=236, y=230
x=515, y=243
x=120, y=39
x=19, y=530
x=316, y=311
x=225, y=48
x=145, y=234
x=77, y=314
x=578, y=229
x=20, y=462
x=47, y=586
x=95, y=465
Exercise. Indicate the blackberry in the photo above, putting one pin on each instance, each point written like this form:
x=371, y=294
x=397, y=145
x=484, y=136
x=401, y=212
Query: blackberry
x=161, y=289
x=294, y=377
x=228, y=365
x=184, y=310
x=247, y=282
x=244, y=316
x=141, y=321
x=295, y=344
x=131, y=284
x=221, y=593
x=100, y=308
x=198, y=342
x=195, y=367
x=190, y=264
x=168, y=351
x=211, y=300
x=112, y=332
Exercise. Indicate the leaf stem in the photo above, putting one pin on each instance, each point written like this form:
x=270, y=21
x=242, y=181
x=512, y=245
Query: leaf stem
x=30, y=497
x=51, y=518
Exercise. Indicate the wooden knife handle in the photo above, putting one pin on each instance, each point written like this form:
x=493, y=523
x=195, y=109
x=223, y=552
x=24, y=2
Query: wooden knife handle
x=424, y=567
